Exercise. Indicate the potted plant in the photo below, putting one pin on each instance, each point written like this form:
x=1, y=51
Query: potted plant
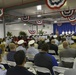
x=9, y=34
x=41, y=32
x=22, y=33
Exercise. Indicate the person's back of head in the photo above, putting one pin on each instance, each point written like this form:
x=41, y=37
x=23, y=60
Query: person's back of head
x=65, y=44
x=44, y=47
x=20, y=58
x=12, y=46
x=52, y=41
x=63, y=39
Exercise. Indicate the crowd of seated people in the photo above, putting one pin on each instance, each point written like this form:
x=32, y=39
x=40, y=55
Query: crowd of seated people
x=38, y=47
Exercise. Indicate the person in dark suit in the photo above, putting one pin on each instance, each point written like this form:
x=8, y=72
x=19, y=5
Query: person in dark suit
x=43, y=59
x=10, y=55
x=53, y=46
x=19, y=69
x=66, y=53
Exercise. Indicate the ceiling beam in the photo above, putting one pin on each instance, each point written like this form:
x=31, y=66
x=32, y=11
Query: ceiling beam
x=25, y=5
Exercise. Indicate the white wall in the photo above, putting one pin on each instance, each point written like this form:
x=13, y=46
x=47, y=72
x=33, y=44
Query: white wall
x=1, y=31
x=16, y=28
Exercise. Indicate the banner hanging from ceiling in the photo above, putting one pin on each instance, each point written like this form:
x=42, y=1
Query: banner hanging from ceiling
x=59, y=24
x=67, y=13
x=25, y=18
x=1, y=12
x=73, y=23
x=55, y=4
x=39, y=22
x=72, y=18
x=32, y=31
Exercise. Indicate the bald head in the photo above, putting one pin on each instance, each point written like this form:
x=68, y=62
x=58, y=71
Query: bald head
x=65, y=44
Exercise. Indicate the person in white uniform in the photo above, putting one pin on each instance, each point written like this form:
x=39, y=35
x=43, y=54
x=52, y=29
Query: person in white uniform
x=20, y=46
x=31, y=51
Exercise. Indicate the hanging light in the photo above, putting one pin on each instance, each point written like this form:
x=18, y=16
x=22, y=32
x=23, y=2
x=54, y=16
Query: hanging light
x=63, y=32
x=69, y=32
x=66, y=32
x=39, y=7
x=72, y=32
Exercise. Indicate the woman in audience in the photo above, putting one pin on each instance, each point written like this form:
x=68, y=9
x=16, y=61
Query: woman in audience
x=2, y=46
x=43, y=59
x=4, y=53
x=10, y=55
x=19, y=69
x=2, y=64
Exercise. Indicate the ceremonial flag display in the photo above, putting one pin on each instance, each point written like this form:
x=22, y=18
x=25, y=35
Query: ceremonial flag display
x=72, y=18
x=59, y=24
x=67, y=13
x=32, y=31
x=73, y=23
x=39, y=22
x=55, y=4
x=25, y=18
x=1, y=12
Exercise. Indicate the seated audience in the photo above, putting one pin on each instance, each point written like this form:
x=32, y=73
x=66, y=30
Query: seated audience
x=2, y=68
x=31, y=51
x=19, y=69
x=10, y=55
x=53, y=46
x=3, y=65
x=4, y=53
x=66, y=53
x=21, y=46
x=56, y=39
x=60, y=47
x=43, y=59
x=74, y=44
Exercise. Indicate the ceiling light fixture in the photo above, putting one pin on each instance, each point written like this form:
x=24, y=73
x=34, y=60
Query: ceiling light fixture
x=25, y=24
x=19, y=18
x=38, y=15
x=55, y=21
x=39, y=7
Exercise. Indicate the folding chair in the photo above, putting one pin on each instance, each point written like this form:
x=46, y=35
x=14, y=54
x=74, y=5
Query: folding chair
x=10, y=63
x=67, y=62
x=70, y=72
x=42, y=70
x=28, y=64
x=52, y=52
x=30, y=57
x=59, y=70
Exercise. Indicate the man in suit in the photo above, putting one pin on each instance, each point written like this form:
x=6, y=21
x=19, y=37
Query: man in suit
x=66, y=53
x=19, y=69
x=43, y=59
x=53, y=46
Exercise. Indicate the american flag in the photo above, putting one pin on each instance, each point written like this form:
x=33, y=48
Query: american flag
x=32, y=31
x=25, y=18
x=39, y=22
